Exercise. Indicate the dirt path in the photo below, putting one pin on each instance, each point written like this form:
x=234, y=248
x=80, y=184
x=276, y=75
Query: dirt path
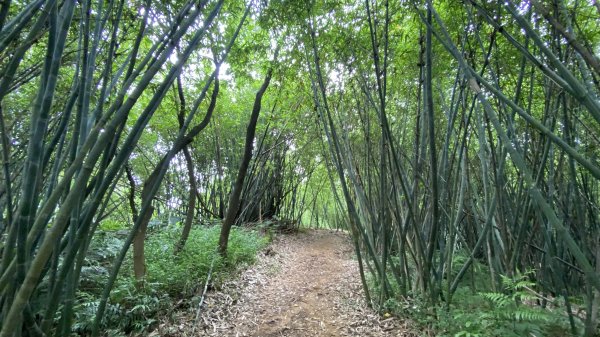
x=304, y=284
x=300, y=299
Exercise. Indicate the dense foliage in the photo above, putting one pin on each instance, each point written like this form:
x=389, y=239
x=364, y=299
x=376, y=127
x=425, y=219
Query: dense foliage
x=172, y=279
x=457, y=142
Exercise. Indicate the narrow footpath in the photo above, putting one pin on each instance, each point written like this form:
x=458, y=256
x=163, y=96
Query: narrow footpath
x=304, y=284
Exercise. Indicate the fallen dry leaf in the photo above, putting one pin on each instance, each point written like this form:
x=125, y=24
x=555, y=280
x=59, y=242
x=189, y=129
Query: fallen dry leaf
x=307, y=285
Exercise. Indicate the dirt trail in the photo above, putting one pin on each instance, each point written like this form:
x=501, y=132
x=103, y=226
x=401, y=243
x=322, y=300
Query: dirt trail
x=304, y=284
x=300, y=299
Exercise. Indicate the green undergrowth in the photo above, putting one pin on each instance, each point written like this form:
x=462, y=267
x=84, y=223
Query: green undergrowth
x=512, y=313
x=476, y=311
x=172, y=280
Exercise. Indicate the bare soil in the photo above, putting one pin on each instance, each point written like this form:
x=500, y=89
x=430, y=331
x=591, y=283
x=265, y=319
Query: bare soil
x=303, y=284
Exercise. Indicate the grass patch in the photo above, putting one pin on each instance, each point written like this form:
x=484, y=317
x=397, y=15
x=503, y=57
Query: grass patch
x=170, y=278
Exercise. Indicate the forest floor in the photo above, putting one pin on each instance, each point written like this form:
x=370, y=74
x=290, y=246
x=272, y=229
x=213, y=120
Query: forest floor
x=303, y=284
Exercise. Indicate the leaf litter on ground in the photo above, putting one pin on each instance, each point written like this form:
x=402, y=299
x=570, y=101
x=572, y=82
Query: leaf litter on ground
x=304, y=284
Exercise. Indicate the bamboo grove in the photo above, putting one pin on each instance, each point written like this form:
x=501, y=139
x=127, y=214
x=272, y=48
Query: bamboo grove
x=448, y=137
x=56, y=185
x=484, y=152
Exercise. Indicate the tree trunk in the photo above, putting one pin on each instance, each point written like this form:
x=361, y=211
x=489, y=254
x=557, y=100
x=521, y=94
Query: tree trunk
x=139, y=260
x=191, y=209
x=234, y=198
x=138, y=243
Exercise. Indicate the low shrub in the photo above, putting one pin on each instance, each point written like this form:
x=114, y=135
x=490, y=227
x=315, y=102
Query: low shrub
x=180, y=275
x=491, y=314
x=169, y=277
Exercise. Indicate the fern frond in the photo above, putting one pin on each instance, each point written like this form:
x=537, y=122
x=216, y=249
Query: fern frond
x=522, y=284
x=524, y=314
x=498, y=299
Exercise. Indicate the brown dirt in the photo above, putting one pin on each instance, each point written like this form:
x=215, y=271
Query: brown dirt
x=304, y=284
